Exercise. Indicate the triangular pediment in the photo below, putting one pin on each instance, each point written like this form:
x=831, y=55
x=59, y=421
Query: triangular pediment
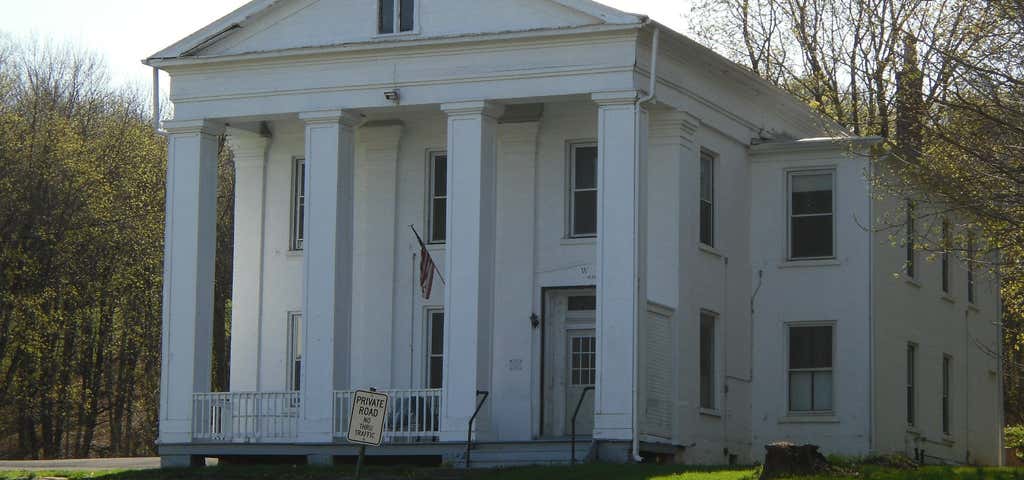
x=272, y=25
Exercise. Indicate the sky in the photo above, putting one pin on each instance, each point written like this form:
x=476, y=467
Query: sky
x=126, y=31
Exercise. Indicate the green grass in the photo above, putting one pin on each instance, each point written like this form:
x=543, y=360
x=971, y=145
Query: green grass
x=583, y=472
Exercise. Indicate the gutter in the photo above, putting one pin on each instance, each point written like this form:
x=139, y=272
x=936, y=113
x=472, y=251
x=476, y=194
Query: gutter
x=649, y=97
x=156, y=103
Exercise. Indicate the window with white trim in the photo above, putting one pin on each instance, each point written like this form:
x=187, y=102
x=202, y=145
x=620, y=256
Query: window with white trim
x=437, y=207
x=435, y=348
x=811, y=215
x=707, y=198
x=295, y=350
x=810, y=368
x=298, y=204
x=583, y=190
x=708, y=383
x=911, y=384
x=396, y=16
x=583, y=356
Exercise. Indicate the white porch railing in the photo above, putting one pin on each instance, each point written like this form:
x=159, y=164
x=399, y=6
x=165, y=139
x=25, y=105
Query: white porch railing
x=245, y=416
x=413, y=415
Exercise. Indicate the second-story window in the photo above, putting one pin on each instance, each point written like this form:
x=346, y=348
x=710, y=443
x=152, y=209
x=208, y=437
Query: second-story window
x=707, y=198
x=947, y=244
x=583, y=190
x=811, y=215
x=298, y=203
x=911, y=258
x=970, y=268
x=395, y=16
x=437, y=210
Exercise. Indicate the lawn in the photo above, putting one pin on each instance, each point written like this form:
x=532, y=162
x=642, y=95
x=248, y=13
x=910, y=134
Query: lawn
x=585, y=472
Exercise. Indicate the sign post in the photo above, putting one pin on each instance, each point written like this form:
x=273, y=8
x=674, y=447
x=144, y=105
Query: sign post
x=366, y=423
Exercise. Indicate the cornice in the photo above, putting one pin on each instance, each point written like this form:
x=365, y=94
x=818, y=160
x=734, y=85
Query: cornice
x=331, y=117
x=193, y=127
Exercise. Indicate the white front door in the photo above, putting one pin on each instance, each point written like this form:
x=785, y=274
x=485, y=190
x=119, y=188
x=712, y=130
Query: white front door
x=580, y=377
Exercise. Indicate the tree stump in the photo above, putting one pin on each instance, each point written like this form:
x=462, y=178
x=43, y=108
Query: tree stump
x=784, y=459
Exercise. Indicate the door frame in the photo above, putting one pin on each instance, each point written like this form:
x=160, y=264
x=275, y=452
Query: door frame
x=546, y=294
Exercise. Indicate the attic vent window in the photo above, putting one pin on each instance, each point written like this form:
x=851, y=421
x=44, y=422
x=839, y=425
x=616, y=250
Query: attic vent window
x=396, y=16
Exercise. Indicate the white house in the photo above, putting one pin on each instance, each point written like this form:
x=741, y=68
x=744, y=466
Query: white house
x=697, y=249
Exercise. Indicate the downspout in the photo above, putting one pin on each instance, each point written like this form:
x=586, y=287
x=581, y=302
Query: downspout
x=156, y=103
x=636, y=325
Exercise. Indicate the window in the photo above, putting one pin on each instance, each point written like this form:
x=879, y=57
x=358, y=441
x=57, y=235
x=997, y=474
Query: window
x=298, y=203
x=294, y=372
x=583, y=355
x=811, y=223
x=946, y=364
x=911, y=257
x=396, y=16
x=911, y=380
x=947, y=244
x=435, y=348
x=438, y=208
x=707, y=198
x=583, y=190
x=970, y=268
x=708, y=396
x=810, y=369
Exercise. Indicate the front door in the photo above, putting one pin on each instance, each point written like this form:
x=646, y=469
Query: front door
x=580, y=377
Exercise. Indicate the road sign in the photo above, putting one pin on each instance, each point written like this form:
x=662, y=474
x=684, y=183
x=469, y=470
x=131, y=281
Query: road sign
x=366, y=424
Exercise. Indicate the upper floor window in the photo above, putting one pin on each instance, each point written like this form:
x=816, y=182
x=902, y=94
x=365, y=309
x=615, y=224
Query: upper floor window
x=583, y=190
x=911, y=258
x=810, y=368
x=947, y=244
x=438, y=198
x=396, y=16
x=298, y=203
x=811, y=215
x=707, y=198
x=970, y=268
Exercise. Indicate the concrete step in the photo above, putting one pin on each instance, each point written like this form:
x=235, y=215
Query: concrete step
x=499, y=455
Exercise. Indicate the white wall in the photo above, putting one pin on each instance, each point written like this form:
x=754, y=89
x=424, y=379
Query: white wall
x=810, y=291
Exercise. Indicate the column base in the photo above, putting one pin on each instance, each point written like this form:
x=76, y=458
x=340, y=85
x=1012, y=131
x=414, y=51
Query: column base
x=182, y=461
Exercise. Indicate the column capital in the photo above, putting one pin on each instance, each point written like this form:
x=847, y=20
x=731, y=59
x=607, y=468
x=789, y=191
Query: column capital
x=478, y=107
x=343, y=117
x=250, y=148
x=186, y=127
x=618, y=97
x=673, y=126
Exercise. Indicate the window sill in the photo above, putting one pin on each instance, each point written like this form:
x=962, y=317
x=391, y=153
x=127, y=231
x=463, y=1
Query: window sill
x=708, y=412
x=829, y=262
x=973, y=307
x=809, y=418
x=411, y=33
x=948, y=440
x=579, y=241
x=295, y=254
x=436, y=247
x=911, y=281
x=947, y=297
x=913, y=431
x=708, y=249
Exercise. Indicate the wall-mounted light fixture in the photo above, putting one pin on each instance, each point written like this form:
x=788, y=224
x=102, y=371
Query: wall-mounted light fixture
x=534, y=320
x=393, y=95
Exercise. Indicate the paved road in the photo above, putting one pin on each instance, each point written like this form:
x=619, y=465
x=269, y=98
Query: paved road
x=89, y=464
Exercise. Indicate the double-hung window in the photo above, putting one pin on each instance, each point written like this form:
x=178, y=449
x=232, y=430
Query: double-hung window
x=911, y=384
x=707, y=198
x=947, y=244
x=438, y=198
x=396, y=16
x=911, y=254
x=298, y=204
x=583, y=190
x=435, y=348
x=811, y=215
x=708, y=395
x=294, y=372
x=947, y=362
x=810, y=369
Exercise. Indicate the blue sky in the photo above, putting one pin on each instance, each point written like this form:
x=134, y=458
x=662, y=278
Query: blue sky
x=126, y=31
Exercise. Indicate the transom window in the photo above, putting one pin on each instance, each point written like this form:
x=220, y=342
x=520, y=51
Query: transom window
x=438, y=197
x=583, y=357
x=435, y=348
x=810, y=368
x=295, y=348
x=298, y=204
x=396, y=16
x=583, y=190
x=707, y=198
x=582, y=303
x=812, y=218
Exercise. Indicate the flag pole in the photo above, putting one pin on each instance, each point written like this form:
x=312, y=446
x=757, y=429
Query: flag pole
x=424, y=247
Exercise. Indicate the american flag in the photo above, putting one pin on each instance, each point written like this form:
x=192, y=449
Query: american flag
x=427, y=267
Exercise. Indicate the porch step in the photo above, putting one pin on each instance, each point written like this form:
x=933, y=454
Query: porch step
x=500, y=455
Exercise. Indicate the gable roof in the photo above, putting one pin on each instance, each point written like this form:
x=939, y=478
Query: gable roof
x=249, y=12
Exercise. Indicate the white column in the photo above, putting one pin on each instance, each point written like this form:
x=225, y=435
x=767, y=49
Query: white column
x=622, y=142
x=189, y=250
x=512, y=338
x=327, y=301
x=374, y=282
x=469, y=260
x=250, y=154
